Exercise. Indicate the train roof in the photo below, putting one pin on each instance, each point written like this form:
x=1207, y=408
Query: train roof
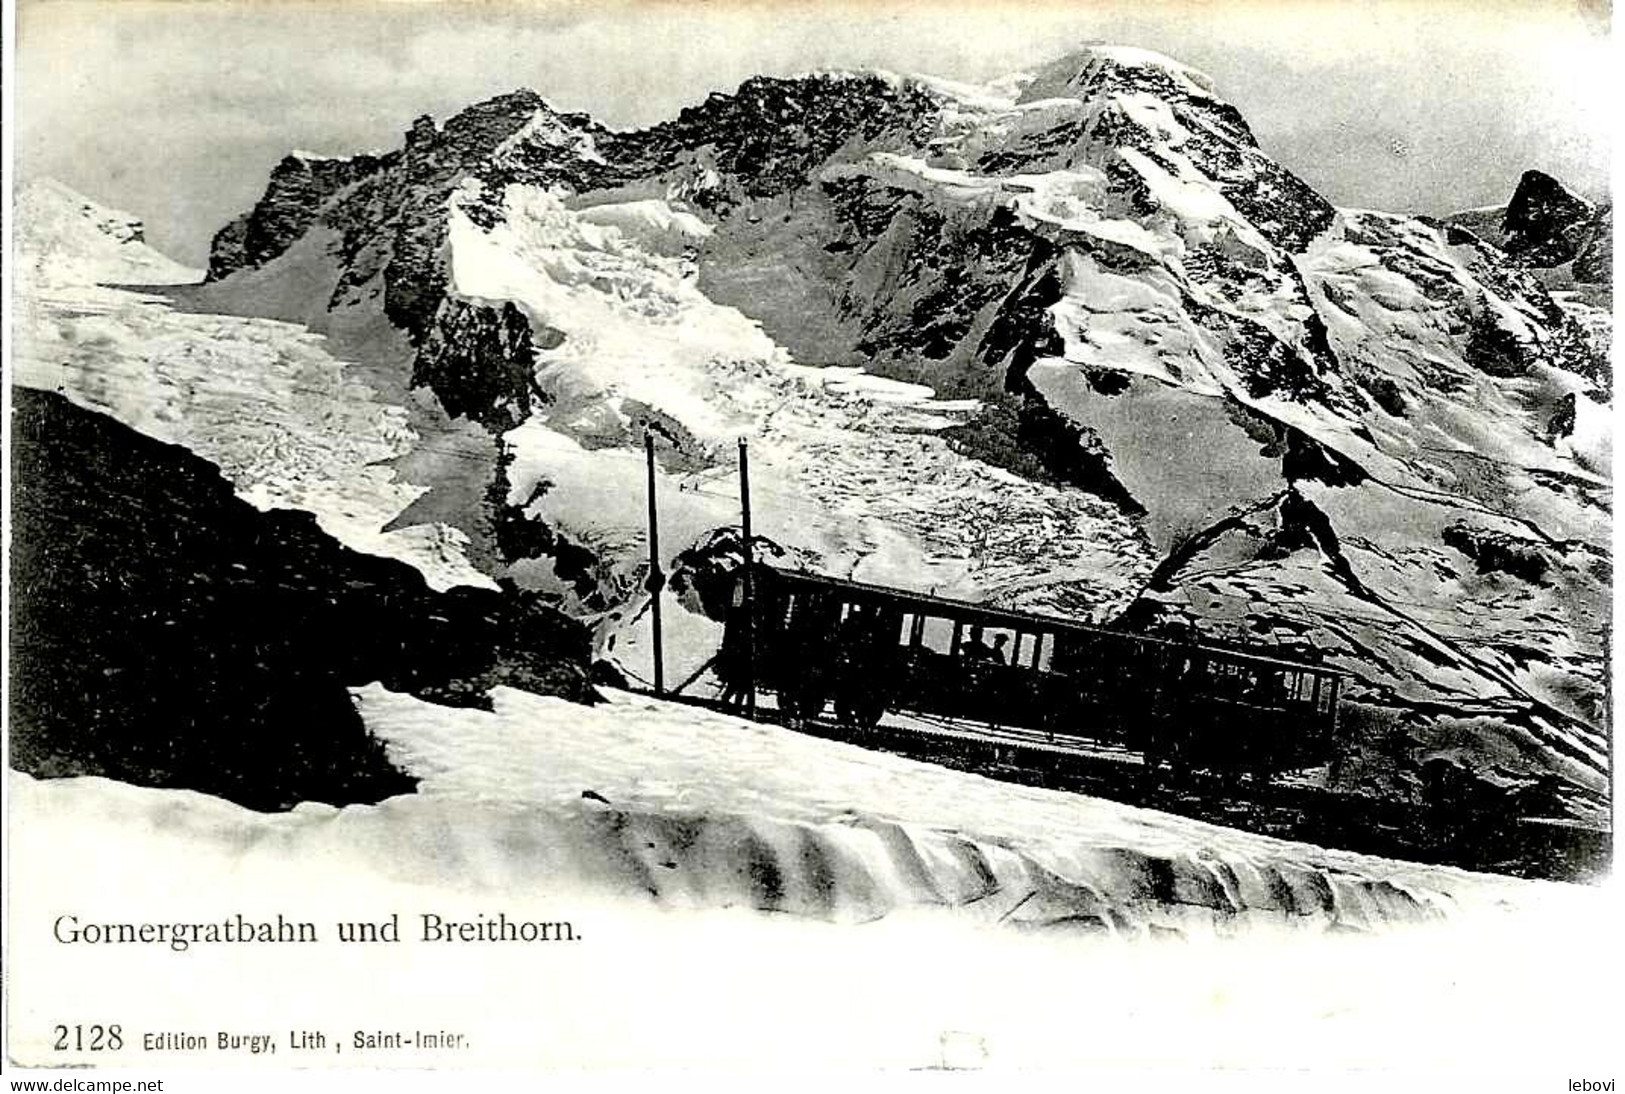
x=1031, y=619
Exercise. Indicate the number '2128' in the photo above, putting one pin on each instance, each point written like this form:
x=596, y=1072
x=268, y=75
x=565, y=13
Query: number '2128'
x=88, y=1038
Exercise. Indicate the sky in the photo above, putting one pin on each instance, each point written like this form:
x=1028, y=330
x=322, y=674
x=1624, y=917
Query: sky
x=177, y=110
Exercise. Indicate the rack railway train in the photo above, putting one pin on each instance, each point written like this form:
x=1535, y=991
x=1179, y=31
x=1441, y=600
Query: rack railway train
x=815, y=640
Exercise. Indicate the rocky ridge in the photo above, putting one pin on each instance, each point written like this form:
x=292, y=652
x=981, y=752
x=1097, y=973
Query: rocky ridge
x=1546, y=225
x=169, y=634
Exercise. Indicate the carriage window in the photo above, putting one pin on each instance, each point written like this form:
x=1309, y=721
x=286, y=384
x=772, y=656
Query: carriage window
x=809, y=611
x=992, y=644
x=1062, y=654
x=937, y=634
x=1324, y=703
x=908, y=631
x=1043, y=651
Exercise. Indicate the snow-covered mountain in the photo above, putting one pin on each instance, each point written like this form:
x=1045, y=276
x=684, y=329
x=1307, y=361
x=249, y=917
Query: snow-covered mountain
x=1071, y=341
x=62, y=237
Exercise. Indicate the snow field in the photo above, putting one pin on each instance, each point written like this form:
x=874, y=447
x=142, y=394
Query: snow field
x=730, y=988
x=699, y=809
x=844, y=466
x=63, y=239
x=284, y=420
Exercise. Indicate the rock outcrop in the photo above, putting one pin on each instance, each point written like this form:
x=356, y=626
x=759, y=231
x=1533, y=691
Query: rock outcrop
x=1545, y=222
x=1545, y=226
x=167, y=633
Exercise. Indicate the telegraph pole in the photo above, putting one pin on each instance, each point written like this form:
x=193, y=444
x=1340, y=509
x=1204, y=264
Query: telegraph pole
x=657, y=579
x=748, y=605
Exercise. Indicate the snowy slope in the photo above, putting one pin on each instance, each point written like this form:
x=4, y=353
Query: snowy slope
x=880, y=833
x=62, y=237
x=642, y=349
x=286, y=421
x=700, y=811
x=691, y=975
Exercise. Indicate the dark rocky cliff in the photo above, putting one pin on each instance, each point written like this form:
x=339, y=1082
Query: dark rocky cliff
x=166, y=633
x=1545, y=223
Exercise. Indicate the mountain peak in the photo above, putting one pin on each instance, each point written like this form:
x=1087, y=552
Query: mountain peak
x=1127, y=77
x=1100, y=66
x=482, y=129
x=64, y=236
x=1535, y=186
x=49, y=197
x=485, y=124
x=1544, y=220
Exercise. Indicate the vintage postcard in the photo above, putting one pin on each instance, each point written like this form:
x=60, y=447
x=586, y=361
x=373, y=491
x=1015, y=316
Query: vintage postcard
x=789, y=539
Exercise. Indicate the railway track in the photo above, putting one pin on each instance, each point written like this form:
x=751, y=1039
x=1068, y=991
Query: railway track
x=1285, y=808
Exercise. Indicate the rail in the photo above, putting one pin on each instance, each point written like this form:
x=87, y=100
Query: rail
x=1288, y=806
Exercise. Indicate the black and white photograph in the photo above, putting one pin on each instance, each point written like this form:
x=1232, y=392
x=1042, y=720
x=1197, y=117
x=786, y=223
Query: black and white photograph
x=784, y=539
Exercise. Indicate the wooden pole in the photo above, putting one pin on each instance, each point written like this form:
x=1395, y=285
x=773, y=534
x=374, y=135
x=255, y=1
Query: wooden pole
x=657, y=579
x=749, y=603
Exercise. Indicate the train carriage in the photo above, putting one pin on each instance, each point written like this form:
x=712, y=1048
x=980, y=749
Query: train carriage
x=818, y=641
